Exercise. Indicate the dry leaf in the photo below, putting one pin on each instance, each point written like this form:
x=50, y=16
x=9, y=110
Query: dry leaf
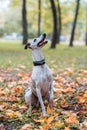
x=49, y=110
x=26, y=127
x=67, y=128
x=72, y=119
x=48, y=126
x=50, y=119
x=39, y=121
x=2, y=127
x=59, y=124
x=11, y=114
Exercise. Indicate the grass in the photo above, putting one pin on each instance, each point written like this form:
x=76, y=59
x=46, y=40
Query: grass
x=12, y=54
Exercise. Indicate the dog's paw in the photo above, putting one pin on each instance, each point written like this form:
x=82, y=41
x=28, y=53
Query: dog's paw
x=51, y=103
x=45, y=115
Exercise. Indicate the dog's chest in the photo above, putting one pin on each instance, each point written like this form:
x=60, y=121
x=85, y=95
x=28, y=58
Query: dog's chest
x=42, y=76
x=41, y=73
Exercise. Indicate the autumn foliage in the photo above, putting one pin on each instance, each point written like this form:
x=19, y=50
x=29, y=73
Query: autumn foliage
x=70, y=102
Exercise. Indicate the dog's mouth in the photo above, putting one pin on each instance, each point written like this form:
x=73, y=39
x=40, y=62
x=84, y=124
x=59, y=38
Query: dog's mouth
x=43, y=41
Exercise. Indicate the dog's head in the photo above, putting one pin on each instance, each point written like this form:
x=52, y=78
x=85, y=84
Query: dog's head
x=37, y=42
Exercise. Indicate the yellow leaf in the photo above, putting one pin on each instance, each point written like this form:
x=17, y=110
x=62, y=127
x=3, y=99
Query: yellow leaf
x=58, y=123
x=50, y=119
x=17, y=114
x=12, y=114
x=39, y=121
x=56, y=114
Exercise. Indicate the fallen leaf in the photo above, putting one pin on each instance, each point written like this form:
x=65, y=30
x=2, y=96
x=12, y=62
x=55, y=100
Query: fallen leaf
x=59, y=124
x=85, y=124
x=67, y=128
x=49, y=110
x=26, y=127
x=39, y=121
x=50, y=119
x=72, y=119
x=2, y=127
x=48, y=126
x=12, y=114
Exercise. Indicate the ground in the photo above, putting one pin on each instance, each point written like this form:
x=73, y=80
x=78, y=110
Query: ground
x=69, y=68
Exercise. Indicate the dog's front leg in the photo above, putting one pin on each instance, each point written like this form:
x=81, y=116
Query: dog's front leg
x=41, y=101
x=28, y=100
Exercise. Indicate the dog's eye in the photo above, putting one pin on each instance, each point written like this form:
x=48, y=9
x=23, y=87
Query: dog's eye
x=35, y=40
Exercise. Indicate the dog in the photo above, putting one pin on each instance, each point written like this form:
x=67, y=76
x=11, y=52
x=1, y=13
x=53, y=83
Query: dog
x=41, y=81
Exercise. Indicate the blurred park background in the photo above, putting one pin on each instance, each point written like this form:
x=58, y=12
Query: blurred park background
x=64, y=21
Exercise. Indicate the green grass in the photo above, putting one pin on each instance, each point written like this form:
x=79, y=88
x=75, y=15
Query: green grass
x=13, y=55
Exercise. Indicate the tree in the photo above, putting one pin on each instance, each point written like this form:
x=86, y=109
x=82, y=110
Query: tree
x=74, y=24
x=39, y=17
x=55, y=32
x=86, y=28
x=24, y=22
x=59, y=21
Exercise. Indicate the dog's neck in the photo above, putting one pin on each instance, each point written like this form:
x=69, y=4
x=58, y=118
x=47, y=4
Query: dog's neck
x=37, y=55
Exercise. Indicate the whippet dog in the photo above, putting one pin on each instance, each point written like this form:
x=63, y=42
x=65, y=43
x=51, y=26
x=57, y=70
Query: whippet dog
x=40, y=84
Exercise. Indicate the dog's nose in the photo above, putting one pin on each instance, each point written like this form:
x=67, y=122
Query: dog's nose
x=44, y=34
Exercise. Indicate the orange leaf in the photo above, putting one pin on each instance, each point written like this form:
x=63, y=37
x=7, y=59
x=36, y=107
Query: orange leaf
x=49, y=110
x=72, y=120
x=46, y=127
x=69, y=89
x=67, y=128
x=85, y=94
x=26, y=127
x=50, y=119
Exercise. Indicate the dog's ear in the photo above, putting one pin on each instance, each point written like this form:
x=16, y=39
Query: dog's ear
x=27, y=46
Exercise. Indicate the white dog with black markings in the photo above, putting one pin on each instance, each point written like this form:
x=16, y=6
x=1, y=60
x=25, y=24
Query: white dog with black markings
x=40, y=84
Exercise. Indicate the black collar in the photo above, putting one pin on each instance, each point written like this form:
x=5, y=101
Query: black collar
x=38, y=63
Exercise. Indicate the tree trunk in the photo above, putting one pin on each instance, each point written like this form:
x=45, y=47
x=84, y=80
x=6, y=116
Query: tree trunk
x=86, y=29
x=54, y=38
x=39, y=17
x=86, y=39
x=74, y=24
x=59, y=21
x=24, y=22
